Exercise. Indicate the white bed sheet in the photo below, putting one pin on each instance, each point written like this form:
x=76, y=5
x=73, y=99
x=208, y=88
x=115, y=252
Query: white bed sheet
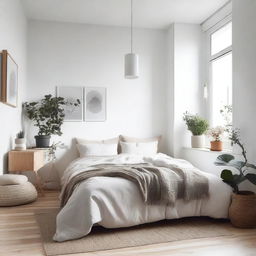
x=117, y=202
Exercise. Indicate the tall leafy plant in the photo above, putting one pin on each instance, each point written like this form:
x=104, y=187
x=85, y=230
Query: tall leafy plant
x=243, y=167
x=196, y=124
x=48, y=114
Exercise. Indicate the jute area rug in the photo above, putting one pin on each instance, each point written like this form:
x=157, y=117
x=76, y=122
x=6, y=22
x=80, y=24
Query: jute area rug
x=105, y=239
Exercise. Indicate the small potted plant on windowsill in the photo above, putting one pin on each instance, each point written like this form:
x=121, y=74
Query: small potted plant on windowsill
x=48, y=115
x=242, y=211
x=198, y=126
x=216, y=133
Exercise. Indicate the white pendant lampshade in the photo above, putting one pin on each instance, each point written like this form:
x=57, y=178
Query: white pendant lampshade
x=131, y=69
x=131, y=60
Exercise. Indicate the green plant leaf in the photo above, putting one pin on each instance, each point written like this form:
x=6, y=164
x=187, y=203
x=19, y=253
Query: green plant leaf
x=236, y=164
x=251, y=177
x=225, y=158
x=251, y=166
x=232, y=180
x=238, y=178
x=227, y=175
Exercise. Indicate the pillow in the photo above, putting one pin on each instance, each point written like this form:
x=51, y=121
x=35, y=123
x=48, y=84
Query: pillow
x=128, y=148
x=97, y=149
x=107, y=141
x=139, y=140
x=140, y=148
x=12, y=179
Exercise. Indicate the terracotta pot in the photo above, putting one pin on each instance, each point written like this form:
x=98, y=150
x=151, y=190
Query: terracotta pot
x=216, y=145
x=242, y=211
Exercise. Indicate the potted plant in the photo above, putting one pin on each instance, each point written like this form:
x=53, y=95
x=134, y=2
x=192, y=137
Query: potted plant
x=242, y=211
x=198, y=126
x=216, y=133
x=48, y=115
x=20, y=141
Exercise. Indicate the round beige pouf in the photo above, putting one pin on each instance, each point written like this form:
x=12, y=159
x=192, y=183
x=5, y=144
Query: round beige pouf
x=16, y=194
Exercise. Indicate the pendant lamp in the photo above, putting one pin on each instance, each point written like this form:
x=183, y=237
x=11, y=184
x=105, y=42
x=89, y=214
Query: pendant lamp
x=131, y=60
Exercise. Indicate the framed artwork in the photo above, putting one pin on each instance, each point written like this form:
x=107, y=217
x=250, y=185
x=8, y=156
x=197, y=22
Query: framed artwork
x=71, y=94
x=9, y=79
x=95, y=104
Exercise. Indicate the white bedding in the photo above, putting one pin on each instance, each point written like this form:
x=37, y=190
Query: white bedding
x=117, y=202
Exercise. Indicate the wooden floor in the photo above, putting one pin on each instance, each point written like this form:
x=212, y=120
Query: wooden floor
x=19, y=235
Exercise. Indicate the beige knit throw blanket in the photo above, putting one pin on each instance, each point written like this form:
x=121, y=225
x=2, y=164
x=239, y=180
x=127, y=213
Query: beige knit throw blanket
x=157, y=185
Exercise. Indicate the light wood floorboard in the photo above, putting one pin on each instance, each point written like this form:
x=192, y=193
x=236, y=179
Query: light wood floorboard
x=19, y=235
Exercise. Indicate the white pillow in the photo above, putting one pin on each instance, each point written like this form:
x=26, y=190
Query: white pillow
x=141, y=148
x=97, y=149
x=128, y=148
x=106, y=141
x=147, y=148
x=138, y=140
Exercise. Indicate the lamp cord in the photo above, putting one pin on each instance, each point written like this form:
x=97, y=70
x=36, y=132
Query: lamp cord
x=131, y=26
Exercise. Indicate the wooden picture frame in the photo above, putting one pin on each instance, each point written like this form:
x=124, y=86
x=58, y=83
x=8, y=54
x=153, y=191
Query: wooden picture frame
x=9, y=79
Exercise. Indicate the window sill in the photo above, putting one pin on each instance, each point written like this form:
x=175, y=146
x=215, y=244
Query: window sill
x=207, y=150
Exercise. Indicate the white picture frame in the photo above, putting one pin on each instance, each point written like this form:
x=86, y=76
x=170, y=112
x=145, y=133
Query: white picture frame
x=71, y=94
x=95, y=104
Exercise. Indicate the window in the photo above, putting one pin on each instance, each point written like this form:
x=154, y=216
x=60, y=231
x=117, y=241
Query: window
x=221, y=39
x=221, y=74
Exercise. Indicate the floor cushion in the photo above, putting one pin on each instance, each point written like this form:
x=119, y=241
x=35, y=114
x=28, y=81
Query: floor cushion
x=12, y=179
x=16, y=194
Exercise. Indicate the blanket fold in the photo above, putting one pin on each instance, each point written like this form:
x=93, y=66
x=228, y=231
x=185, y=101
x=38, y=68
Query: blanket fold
x=157, y=184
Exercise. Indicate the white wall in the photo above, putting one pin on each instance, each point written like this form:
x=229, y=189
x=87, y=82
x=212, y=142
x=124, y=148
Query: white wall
x=185, y=83
x=170, y=90
x=13, y=33
x=244, y=72
x=90, y=55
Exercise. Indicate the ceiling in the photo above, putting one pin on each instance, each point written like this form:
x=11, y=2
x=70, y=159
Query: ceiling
x=147, y=13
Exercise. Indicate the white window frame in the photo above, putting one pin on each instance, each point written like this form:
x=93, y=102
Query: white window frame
x=211, y=58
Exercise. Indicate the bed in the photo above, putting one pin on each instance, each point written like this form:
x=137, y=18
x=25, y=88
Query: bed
x=115, y=202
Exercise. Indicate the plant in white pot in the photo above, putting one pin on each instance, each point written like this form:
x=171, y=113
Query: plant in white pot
x=216, y=134
x=198, y=126
x=20, y=141
x=242, y=211
x=48, y=115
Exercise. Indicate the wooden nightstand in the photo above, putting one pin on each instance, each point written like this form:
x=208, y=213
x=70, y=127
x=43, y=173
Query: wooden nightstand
x=27, y=160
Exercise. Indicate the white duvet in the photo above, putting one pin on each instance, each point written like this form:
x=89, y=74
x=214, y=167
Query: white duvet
x=114, y=202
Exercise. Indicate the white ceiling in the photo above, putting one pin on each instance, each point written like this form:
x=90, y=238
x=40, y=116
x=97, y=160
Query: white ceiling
x=147, y=13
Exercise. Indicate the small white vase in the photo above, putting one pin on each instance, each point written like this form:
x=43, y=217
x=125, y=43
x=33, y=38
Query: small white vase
x=197, y=141
x=20, y=144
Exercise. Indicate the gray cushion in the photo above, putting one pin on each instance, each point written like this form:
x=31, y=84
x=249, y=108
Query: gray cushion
x=12, y=179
